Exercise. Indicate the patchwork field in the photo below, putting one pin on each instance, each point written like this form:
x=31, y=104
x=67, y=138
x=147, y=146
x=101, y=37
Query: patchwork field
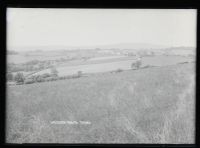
x=152, y=105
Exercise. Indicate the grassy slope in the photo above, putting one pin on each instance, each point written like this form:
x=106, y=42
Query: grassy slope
x=141, y=106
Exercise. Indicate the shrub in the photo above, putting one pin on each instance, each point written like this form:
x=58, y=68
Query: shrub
x=68, y=77
x=147, y=66
x=55, y=78
x=119, y=70
x=136, y=64
x=62, y=78
x=79, y=73
x=20, y=83
x=51, y=79
x=33, y=77
x=29, y=81
x=53, y=75
x=54, y=71
x=19, y=77
x=48, y=79
x=45, y=75
x=39, y=78
x=75, y=76
x=65, y=77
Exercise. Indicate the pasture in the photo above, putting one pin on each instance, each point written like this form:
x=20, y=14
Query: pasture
x=153, y=105
x=112, y=63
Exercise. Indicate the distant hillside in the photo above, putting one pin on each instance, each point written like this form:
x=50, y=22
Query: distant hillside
x=181, y=51
x=12, y=52
x=181, y=48
x=110, y=46
x=134, y=46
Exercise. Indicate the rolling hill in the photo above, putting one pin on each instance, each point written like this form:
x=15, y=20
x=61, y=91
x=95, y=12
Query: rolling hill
x=153, y=105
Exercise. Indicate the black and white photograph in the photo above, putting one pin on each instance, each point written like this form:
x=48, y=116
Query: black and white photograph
x=100, y=76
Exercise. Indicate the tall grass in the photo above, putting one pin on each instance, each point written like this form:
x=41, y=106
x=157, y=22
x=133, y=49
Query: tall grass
x=154, y=105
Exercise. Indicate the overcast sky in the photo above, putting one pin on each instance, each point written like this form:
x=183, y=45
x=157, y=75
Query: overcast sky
x=85, y=27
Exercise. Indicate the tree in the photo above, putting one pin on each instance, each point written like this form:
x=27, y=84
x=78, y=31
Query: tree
x=79, y=73
x=29, y=81
x=33, y=78
x=136, y=64
x=9, y=76
x=54, y=71
x=19, y=77
x=39, y=78
x=45, y=75
x=139, y=63
x=119, y=70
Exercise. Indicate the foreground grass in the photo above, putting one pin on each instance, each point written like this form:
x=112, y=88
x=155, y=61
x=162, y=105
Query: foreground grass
x=154, y=105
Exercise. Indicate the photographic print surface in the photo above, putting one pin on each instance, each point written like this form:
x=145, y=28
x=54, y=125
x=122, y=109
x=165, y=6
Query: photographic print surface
x=101, y=76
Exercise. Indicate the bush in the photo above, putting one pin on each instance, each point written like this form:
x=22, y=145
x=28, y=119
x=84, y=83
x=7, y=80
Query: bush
x=39, y=78
x=147, y=66
x=183, y=62
x=75, y=76
x=119, y=70
x=19, y=77
x=20, y=83
x=45, y=75
x=53, y=75
x=51, y=78
x=68, y=77
x=55, y=78
x=62, y=78
x=33, y=77
x=136, y=64
x=79, y=73
x=65, y=77
x=48, y=79
x=54, y=72
x=29, y=81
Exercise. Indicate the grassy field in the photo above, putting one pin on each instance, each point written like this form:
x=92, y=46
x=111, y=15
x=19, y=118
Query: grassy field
x=153, y=105
x=113, y=63
x=91, y=68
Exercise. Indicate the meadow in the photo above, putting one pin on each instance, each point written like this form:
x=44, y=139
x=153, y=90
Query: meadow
x=152, y=105
x=112, y=63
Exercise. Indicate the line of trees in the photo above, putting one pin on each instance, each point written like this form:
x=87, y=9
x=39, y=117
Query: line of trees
x=19, y=78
